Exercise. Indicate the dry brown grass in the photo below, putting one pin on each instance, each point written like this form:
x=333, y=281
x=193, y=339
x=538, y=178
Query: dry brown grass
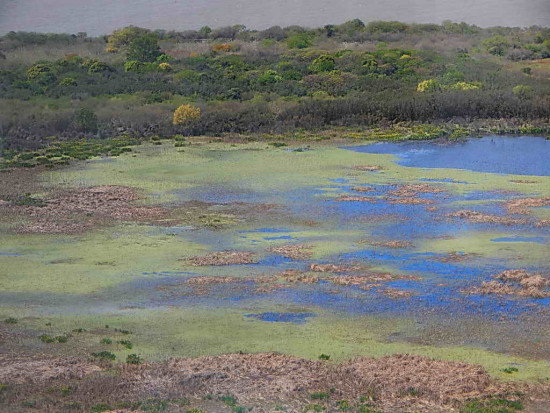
x=520, y=206
x=331, y=268
x=519, y=283
x=393, y=381
x=294, y=251
x=362, y=189
x=15, y=369
x=352, y=198
x=411, y=201
x=479, y=217
x=224, y=258
x=388, y=244
x=412, y=190
x=262, y=381
x=368, y=168
x=77, y=210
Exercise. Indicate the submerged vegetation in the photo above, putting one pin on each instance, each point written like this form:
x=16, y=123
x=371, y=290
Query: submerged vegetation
x=136, y=83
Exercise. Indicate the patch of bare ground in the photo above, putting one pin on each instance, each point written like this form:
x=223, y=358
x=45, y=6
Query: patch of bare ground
x=224, y=258
x=519, y=283
x=479, y=217
x=388, y=244
x=14, y=369
x=520, y=206
x=368, y=168
x=76, y=210
x=294, y=251
x=543, y=223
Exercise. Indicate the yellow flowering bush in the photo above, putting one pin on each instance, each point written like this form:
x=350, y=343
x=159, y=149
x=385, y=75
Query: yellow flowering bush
x=186, y=114
x=429, y=85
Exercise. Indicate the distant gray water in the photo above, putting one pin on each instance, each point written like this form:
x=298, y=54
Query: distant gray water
x=103, y=16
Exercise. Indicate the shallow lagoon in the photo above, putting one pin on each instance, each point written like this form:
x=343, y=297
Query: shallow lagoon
x=135, y=272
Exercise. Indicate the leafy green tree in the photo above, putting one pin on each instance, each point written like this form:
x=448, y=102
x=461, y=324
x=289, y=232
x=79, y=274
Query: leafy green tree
x=496, y=45
x=205, y=31
x=324, y=63
x=299, y=41
x=144, y=48
x=523, y=91
x=123, y=37
x=86, y=120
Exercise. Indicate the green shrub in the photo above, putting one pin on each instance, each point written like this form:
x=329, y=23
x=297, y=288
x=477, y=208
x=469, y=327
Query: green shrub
x=105, y=355
x=133, y=359
x=101, y=407
x=319, y=396
x=314, y=408
x=510, y=370
x=125, y=343
x=45, y=338
x=10, y=320
x=106, y=341
x=324, y=357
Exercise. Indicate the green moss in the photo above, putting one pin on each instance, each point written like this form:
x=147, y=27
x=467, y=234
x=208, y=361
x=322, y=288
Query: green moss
x=70, y=263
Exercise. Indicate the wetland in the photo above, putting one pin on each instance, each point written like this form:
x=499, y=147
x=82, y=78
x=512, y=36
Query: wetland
x=436, y=249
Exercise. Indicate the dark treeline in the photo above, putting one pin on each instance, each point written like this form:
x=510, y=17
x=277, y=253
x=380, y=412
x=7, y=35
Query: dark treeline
x=59, y=86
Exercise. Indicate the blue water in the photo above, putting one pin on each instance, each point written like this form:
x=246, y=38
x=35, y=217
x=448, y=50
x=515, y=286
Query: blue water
x=523, y=155
x=296, y=318
x=540, y=240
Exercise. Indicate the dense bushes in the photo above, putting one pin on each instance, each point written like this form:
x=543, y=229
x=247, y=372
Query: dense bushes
x=273, y=80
